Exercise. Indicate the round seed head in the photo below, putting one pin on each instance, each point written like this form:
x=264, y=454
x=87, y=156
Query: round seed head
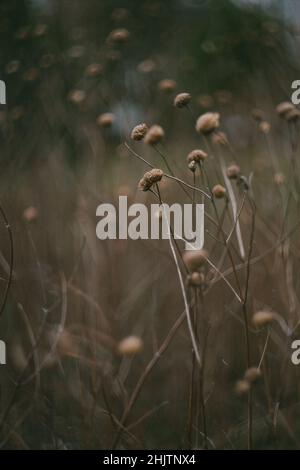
x=279, y=178
x=219, y=191
x=242, y=387
x=182, y=100
x=207, y=123
x=262, y=318
x=192, y=166
x=196, y=156
x=106, y=120
x=94, y=70
x=139, y=132
x=196, y=279
x=30, y=214
x=150, y=177
x=264, y=127
x=77, y=96
x=130, y=346
x=220, y=138
x=233, y=171
x=252, y=374
x=167, y=85
x=194, y=259
x=283, y=108
x=292, y=115
x=146, y=66
x=118, y=36
x=154, y=135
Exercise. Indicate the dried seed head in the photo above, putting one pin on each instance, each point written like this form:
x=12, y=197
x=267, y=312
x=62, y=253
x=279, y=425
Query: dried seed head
x=205, y=101
x=196, y=279
x=257, y=114
x=30, y=214
x=150, y=177
x=233, y=171
x=118, y=36
x=242, y=387
x=197, y=156
x=77, y=96
x=106, y=120
x=219, y=191
x=182, y=100
x=154, y=135
x=220, y=138
x=194, y=259
x=279, y=178
x=207, y=123
x=167, y=85
x=192, y=166
x=283, y=108
x=139, y=131
x=147, y=66
x=264, y=127
x=292, y=115
x=94, y=70
x=252, y=374
x=130, y=346
x=262, y=318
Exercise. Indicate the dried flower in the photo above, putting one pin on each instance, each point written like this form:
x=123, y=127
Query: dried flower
x=257, y=114
x=197, y=156
x=94, y=70
x=252, y=374
x=207, y=123
x=192, y=166
x=242, y=387
x=292, y=115
x=205, y=101
x=279, y=178
x=220, y=138
x=219, y=191
x=196, y=279
x=77, y=96
x=233, y=171
x=106, y=120
x=130, y=346
x=283, y=108
x=264, y=127
x=150, y=177
x=139, y=131
x=167, y=85
x=262, y=318
x=30, y=214
x=194, y=259
x=118, y=36
x=146, y=66
x=154, y=135
x=182, y=100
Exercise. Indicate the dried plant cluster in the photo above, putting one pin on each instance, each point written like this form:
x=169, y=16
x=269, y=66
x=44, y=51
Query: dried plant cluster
x=130, y=344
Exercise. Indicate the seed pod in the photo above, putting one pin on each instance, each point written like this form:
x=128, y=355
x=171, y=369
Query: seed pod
x=233, y=171
x=218, y=191
x=139, y=132
x=207, y=123
x=194, y=259
x=150, y=177
x=197, y=155
x=154, y=135
x=106, y=120
x=130, y=346
x=262, y=318
x=182, y=100
x=252, y=374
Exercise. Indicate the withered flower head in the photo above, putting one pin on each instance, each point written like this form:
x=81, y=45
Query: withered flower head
x=194, y=259
x=283, y=108
x=167, y=85
x=94, y=70
x=77, y=96
x=242, y=387
x=262, y=318
x=130, y=346
x=279, y=178
x=197, y=156
x=106, y=120
x=292, y=115
x=154, y=135
x=207, y=123
x=139, y=131
x=150, y=177
x=233, y=171
x=182, y=100
x=118, y=36
x=220, y=138
x=196, y=279
x=264, y=127
x=257, y=114
x=219, y=191
x=252, y=374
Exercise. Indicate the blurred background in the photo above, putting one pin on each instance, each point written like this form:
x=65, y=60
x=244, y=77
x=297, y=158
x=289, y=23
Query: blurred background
x=79, y=76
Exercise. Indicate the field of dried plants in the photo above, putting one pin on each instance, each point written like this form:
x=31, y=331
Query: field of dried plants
x=139, y=344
